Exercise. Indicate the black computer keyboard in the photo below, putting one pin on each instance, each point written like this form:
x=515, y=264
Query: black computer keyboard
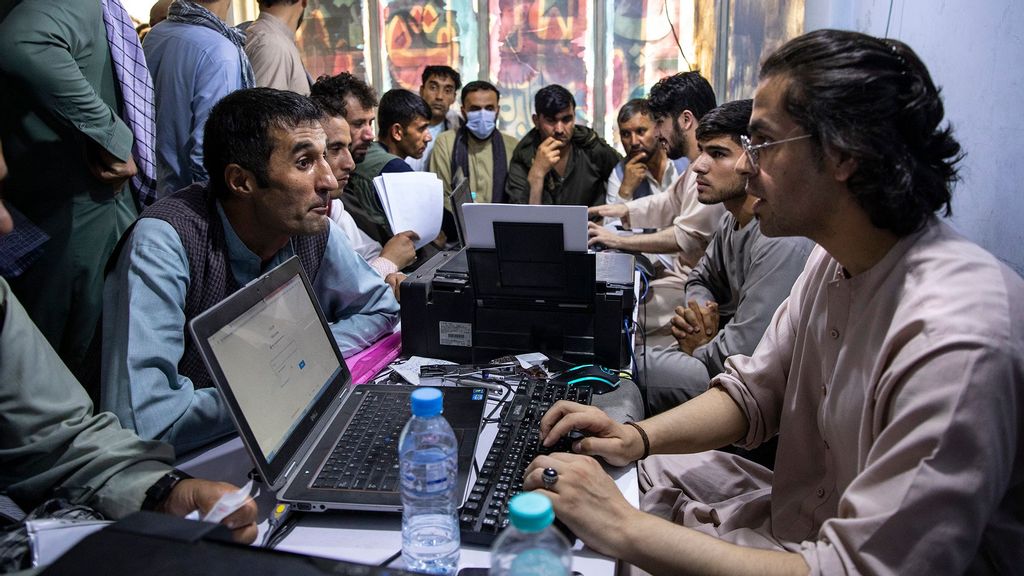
x=485, y=512
x=366, y=455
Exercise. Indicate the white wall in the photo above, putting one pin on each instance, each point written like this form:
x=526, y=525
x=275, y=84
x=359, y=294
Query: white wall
x=975, y=53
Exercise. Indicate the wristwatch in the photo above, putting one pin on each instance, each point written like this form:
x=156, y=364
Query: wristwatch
x=159, y=491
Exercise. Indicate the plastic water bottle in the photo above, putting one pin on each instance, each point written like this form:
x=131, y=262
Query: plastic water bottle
x=530, y=545
x=428, y=459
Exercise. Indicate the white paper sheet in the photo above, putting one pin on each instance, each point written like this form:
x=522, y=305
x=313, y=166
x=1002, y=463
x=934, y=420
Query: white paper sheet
x=412, y=201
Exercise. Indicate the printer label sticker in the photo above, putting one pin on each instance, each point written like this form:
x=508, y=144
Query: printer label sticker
x=455, y=334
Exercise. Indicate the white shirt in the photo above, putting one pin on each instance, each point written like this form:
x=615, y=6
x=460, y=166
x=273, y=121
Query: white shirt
x=368, y=248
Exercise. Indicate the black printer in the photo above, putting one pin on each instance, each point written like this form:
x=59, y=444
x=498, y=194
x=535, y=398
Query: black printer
x=525, y=295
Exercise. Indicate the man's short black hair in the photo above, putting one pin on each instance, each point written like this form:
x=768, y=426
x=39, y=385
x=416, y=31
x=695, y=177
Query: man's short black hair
x=478, y=86
x=399, y=106
x=682, y=91
x=239, y=130
x=331, y=92
x=873, y=100
x=730, y=119
x=550, y=100
x=442, y=71
x=632, y=108
x=269, y=3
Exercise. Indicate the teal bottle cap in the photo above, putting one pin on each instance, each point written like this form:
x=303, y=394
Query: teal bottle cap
x=426, y=402
x=531, y=512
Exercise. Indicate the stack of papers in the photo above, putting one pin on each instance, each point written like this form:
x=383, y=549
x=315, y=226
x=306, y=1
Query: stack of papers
x=412, y=201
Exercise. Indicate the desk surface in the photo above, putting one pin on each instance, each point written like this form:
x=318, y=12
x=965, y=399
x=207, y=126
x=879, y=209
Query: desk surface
x=374, y=537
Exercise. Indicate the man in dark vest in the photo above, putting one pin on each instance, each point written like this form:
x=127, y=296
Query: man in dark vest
x=267, y=201
x=478, y=149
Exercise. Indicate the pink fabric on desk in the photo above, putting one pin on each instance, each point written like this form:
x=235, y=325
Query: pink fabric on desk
x=367, y=363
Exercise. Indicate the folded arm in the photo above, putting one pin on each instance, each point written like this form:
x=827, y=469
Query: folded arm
x=37, y=50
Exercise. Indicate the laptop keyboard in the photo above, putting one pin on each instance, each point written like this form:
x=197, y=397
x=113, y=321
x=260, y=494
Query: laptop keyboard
x=485, y=512
x=366, y=455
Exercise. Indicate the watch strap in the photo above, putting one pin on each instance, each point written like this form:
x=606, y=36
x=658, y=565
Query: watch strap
x=161, y=489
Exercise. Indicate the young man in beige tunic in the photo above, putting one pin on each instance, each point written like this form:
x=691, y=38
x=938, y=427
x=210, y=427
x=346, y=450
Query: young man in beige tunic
x=893, y=375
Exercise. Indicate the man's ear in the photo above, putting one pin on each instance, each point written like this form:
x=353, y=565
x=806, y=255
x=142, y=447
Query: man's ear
x=843, y=165
x=535, y=124
x=686, y=120
x=240, y=181
x=395, y=132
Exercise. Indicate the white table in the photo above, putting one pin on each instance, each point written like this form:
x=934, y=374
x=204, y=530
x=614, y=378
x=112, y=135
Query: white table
x=371, y=537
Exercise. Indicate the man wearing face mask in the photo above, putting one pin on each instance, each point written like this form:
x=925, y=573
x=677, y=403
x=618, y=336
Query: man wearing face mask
x=478, y=149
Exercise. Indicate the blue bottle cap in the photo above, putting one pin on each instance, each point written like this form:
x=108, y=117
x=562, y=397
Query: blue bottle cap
x=426, y=402
x=531, y=512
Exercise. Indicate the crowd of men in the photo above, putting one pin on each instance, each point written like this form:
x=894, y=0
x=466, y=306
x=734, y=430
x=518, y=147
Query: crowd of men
x=802, y=286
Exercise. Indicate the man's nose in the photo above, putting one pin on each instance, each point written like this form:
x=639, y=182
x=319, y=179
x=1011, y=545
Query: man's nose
x=325, y=180
x=744, y=166
x=700, y=165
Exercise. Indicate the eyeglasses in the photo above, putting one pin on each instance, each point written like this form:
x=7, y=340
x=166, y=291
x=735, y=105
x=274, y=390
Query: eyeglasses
x=753, y=150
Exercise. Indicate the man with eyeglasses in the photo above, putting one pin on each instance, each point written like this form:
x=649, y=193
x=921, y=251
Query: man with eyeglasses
x=893, y=375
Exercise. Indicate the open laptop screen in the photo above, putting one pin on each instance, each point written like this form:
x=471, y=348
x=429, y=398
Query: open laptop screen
x=278, y=362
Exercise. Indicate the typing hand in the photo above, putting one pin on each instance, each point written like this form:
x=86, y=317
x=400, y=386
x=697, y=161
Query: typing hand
x=617, y=443
x=585, y=498
x=619, y=211
x=192, y=494
x=600, y=235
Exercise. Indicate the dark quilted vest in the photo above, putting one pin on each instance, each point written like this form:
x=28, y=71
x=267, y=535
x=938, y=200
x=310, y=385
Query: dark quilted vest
x=193, y=215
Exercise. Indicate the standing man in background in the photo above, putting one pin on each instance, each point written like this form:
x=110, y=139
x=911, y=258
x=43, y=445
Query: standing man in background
x=76, y=92
x=196, y=59
x=478, y=149
x=270, y=46
x=438, y=88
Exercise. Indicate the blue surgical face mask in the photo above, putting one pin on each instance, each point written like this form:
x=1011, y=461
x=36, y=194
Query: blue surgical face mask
x=481, y=123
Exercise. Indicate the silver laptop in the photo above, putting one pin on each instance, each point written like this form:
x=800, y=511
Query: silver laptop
x=317, y=439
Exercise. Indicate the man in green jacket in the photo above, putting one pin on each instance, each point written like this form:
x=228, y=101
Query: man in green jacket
x=558, y=162
x=52, y=444
x=61, y=101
